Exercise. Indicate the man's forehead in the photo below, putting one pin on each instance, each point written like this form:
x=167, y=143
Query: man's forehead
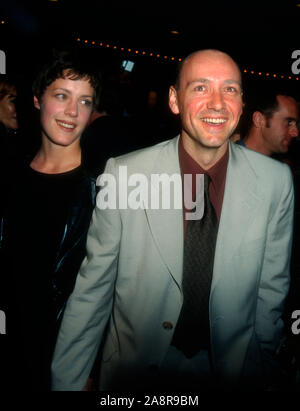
x=288, y=104
x=210, y=66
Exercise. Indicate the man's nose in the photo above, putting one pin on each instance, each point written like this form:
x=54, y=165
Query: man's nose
x=294, y=132
x=216, y=101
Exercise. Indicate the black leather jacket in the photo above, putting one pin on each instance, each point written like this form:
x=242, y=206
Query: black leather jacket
x=72, y=247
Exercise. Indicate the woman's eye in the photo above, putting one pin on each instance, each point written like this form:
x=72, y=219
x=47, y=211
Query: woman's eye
x=60, y=96
x=86, y=102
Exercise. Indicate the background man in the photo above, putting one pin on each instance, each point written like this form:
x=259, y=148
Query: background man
x=273, y=123
x=179, y=302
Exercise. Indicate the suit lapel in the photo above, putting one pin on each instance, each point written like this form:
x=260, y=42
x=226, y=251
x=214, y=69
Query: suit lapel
x=242, y=197
x=167, y=225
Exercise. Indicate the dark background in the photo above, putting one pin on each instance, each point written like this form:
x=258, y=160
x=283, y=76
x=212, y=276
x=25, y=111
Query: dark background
x=259, y=35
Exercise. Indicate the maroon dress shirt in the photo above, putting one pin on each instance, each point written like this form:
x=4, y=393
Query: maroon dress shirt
x=217, y=173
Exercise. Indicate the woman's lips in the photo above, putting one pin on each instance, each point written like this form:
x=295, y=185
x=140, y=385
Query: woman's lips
x=66, y=125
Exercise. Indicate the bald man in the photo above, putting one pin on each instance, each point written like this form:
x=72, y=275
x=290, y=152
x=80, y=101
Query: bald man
x=172, y=308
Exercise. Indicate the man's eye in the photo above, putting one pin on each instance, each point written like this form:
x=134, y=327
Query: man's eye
x=200, y=88
x=231, y=90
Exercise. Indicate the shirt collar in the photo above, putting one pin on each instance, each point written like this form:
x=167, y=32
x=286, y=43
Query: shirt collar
x=217, y=172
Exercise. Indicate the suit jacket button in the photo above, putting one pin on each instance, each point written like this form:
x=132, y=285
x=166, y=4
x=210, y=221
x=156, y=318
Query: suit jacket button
x=167, y=325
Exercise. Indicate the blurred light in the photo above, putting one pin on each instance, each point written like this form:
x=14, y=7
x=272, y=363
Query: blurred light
x=174, y=32
x=2, y=21
x=127, y=65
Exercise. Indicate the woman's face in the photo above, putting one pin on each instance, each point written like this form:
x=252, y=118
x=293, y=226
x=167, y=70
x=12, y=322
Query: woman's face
x=8, y=114
x=66, y=107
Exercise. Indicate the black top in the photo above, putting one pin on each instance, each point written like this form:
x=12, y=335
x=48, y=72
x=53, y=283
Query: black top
x=36, y=215
x=35, y=219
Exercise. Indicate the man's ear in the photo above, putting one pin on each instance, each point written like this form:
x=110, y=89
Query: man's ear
x=173, y=102
x=36, y=103
x=258, y=119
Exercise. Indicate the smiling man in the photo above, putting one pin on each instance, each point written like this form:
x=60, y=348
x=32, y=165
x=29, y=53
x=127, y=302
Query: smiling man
x=185, y=304
x=209, y=100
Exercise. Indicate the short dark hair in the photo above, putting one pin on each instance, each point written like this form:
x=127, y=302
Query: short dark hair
x=266, y=103
x=262, y=98
x=66, y=64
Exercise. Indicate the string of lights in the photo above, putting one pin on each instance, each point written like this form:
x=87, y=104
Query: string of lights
x=178, y=59
x=130, y=50
x=271, y=75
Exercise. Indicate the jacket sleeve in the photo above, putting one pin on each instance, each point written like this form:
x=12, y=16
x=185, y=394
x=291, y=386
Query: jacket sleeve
x=275, y=274
x=90, y=304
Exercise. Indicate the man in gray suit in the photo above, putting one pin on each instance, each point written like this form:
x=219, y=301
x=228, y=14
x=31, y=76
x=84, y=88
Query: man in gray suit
x=129, y=295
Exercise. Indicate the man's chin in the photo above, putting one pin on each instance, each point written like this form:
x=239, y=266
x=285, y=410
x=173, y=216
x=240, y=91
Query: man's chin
x=216, y=143
x=284, y=148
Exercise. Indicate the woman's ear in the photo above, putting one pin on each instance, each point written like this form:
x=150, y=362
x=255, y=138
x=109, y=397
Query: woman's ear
x=36, y=103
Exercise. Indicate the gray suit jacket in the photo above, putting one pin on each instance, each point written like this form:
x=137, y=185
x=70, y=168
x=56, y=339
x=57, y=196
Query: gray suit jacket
x=131, y=278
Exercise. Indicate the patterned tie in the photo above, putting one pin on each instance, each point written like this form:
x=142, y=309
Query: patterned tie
x=192, y=330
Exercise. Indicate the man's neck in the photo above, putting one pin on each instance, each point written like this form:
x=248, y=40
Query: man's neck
x=206, y=157
x=255, y=143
